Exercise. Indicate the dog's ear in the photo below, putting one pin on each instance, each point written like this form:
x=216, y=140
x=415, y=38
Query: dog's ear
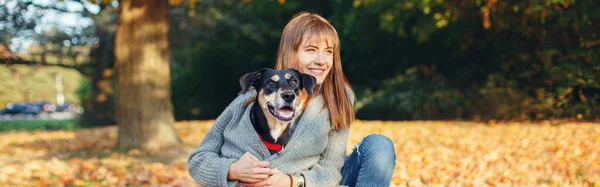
x=308, y=81
x=249, y=79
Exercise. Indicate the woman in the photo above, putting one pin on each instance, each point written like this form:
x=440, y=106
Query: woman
x=315, y=154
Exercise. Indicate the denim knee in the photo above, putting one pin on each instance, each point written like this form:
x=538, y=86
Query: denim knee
x=378, y=149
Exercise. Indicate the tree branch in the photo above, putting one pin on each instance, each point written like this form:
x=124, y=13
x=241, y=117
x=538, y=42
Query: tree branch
x=85, y=11
x=60, y=9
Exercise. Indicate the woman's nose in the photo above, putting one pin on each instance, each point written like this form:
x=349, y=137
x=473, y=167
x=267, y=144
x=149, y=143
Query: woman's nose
x=320, y=59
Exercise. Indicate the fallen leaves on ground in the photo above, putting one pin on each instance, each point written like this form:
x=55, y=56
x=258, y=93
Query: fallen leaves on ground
x=428, y=153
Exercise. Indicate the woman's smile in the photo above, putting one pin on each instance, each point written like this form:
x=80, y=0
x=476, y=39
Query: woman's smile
x=315, y=59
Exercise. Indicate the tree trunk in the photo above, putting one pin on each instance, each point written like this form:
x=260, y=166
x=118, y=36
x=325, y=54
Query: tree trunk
x=144, y=111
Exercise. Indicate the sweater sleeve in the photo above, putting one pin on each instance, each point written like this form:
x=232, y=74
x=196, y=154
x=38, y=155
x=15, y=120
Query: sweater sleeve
x=327, y=172
x=205, y=164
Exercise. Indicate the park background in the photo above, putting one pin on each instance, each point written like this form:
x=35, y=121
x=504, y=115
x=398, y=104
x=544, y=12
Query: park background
x=473, y=92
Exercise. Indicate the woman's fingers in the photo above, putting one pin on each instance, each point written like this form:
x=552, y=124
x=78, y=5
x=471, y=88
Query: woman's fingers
x=261, y=177
x=251, y=179
x=263, y=171
x=251, y=157
x=251, y=170
x=262, y=164
x=255, y=174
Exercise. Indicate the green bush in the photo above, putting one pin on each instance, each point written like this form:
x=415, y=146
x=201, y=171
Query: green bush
x=410, y=59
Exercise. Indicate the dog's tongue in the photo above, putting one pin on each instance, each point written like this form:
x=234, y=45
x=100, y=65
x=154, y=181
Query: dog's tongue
x=286, y=112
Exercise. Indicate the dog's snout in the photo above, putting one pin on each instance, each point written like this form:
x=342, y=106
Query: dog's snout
x=288, y=96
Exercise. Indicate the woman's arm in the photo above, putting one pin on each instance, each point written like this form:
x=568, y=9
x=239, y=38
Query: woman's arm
x=205, y=164
x=327, y=172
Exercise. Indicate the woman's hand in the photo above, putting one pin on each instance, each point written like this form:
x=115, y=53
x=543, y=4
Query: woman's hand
x=277, y=179
x=249, y=169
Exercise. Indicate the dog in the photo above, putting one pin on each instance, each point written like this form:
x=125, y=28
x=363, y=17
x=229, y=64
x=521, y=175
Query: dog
x=281, y=98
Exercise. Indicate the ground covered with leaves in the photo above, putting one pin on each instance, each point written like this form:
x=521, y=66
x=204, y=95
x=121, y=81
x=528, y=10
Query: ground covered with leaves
x=427, y=154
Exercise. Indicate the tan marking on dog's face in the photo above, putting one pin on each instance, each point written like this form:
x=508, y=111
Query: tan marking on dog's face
x=300, y=104
x=288, y=76
x=263, y=100
x=275, y=78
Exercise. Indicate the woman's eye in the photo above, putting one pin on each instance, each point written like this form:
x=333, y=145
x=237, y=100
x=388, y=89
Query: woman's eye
x=311, y=50
x=328, y=52
x=294, y=82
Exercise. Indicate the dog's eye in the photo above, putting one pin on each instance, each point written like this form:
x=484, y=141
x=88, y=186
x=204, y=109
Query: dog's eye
x=293, y=82
x=270, y=83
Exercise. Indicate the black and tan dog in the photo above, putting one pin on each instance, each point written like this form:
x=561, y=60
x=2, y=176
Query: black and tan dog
x=281, y=98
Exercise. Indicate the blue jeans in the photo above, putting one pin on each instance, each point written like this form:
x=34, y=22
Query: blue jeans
x=371, y=163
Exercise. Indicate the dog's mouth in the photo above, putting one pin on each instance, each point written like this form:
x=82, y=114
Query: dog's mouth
x=285, y=113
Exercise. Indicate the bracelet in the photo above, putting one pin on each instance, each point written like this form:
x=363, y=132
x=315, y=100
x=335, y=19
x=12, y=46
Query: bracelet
x=291, y=180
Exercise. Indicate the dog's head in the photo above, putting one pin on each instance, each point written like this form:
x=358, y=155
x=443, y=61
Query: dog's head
x=280, y=92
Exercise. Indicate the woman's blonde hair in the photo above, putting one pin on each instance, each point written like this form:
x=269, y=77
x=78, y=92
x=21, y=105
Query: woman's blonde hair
x=316, y=29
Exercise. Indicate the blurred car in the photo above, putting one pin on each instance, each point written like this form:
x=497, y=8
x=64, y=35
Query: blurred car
x=12, y=109
x=67, y=107
x=37, y=107
x=29, y=108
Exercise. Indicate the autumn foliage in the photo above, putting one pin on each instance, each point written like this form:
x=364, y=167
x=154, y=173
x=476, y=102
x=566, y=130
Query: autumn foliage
x=428, y=154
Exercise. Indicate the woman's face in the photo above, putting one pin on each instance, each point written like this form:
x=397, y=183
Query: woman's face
x=315, y=59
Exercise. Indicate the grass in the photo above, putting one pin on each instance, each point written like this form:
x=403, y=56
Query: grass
x=30, y=125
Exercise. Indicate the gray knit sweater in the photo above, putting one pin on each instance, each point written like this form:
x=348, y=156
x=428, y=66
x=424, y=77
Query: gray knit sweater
x=314, y=150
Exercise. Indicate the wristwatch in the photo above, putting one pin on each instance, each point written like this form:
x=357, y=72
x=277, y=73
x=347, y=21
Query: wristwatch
x=300, y=179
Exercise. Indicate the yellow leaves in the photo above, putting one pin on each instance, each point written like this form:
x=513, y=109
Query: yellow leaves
x=387, y=16
x=426, y=10
x=88, y=165
x=428, y=153
x=192, y=4
x=505, y=154
x=408, y=5
x=441, y=23
x=104, y=2
x=42, y=182
x=66, y=179
x=79, y=182
x=175, y=2
x=356, y=3
x=134, y=152
x=437, y=16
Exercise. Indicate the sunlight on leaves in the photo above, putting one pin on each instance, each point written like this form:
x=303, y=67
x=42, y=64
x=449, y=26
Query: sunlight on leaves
x=428, y=153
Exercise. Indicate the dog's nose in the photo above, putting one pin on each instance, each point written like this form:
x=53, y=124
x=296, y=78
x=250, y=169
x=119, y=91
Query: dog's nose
x=288, y=96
